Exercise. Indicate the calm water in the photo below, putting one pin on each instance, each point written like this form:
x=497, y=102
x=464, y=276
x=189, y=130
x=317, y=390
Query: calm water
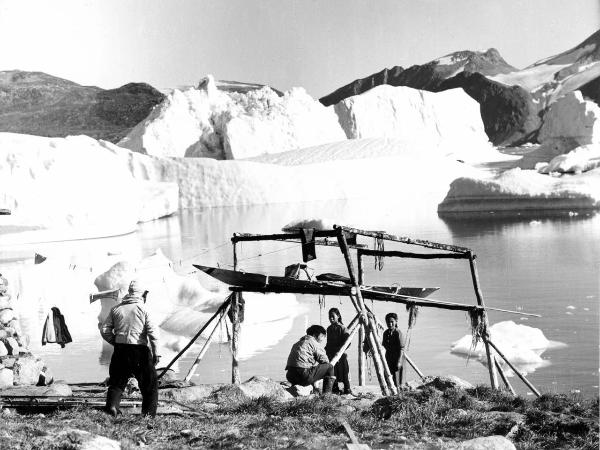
x=545, y=265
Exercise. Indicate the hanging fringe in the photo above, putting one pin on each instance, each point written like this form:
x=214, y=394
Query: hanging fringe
x=378, y=244
x=413, y=312
x=321, y=307
x=479, y=330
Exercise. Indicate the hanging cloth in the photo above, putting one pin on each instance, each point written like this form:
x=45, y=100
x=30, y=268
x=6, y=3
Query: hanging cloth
x=55, y=329
x=307, y=238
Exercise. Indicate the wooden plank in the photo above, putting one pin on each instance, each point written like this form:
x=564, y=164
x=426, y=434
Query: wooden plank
x=235, y=326
x=405, y=240
x=239, y=237
x=361, y=331
x=504, y=377
x=354, y=443
x=398, y=254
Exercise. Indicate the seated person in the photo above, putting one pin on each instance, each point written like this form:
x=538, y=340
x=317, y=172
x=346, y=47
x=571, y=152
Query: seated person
x=308, y=362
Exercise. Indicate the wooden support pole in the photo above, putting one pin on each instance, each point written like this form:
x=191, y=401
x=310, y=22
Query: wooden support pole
x=413, y=365
x=235, y=324
x=361, y=331
x=204, y=348
x=514, y=369
x=352, y=329
x=479, y=296
x=225, y=304
x=378, y=359
x=504, y=377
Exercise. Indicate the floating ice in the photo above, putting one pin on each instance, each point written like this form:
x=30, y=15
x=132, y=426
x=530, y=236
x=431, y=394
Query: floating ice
x=521, y=344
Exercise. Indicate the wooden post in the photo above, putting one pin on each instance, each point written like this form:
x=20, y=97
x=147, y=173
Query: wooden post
x=479, y=296
x=361, y=331
x=514, y=369
x=352, y=329
x=225, y=304
x=504, y=377
x=413, y=365
x=374, y=343
x=235, y=325
x=204, y=348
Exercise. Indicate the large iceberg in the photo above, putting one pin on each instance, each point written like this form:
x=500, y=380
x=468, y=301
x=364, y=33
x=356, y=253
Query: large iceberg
x=212, y=123
x=75, y=187
x=405, y=113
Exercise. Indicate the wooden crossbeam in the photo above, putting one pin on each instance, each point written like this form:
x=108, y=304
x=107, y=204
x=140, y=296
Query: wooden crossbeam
x=405, y=240
x=398, y=254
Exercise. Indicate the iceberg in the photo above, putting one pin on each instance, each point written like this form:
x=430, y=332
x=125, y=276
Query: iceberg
x=521, y=344
x=75, y=187
x=208, y=122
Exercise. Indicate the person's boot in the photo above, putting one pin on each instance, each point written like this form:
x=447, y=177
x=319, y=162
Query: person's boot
x=113, y=401
x=328, y=385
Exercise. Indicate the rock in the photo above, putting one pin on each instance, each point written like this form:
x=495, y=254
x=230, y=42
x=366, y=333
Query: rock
x=255, y=387
x=487, y=443
x=56, y=389
x=3, y=349
x=27, y=370
x=3, y=335
x=8, y=362
x=6, y=315
x=5, y=302
x=81, y=440
x=443, y=383
x=14, y=324
x=6, y=378
x=11, y=345
x=167, y=378
x=187, y=394
x=300, y=391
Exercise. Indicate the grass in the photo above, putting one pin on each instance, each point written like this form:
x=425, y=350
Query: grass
x=414, y=419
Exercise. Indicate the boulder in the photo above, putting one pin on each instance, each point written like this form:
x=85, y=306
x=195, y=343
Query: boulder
x=5, y=302
x=6, y=378
x=27, y=370
x=56, y=389
x=487, y=443
x=443, y=383
x=300, y=391
x=8, y=362
x=3, y=349
x=188, y=394
x=80, y=440
x=255, y=387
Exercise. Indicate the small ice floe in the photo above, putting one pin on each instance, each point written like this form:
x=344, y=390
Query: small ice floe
x=573, y=214
x=586, y=309
x=571, y=307
x=569, y=313
x=534, y=223
x=575, y=391
x=521, y=344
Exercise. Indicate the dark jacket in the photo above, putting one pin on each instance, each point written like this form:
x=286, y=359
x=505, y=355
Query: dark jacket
x=393, y=342
x=55, y=329
x=336, y=336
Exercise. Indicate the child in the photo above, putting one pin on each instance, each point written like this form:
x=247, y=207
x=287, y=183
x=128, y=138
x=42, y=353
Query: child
x=393, y=342
x=337, y=334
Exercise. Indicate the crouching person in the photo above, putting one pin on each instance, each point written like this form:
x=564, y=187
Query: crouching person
x=308, y=362
x=135, y=339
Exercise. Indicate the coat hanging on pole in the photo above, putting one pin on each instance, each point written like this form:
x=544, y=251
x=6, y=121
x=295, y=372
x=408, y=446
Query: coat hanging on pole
x=308, y=244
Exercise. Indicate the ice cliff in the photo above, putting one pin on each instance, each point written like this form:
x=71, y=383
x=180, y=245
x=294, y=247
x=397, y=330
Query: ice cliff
x=231, y=125
x=75, y=187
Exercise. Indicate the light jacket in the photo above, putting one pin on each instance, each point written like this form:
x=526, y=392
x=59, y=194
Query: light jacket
x=306, y=353
x=129, y=323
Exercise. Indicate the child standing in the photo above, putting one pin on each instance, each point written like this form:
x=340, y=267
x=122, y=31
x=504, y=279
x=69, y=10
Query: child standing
x=337, y=334
x=393, y=342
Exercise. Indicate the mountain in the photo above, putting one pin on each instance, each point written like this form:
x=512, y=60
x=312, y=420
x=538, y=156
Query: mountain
x=512, y=101
x=428, y=76
x=41, y=104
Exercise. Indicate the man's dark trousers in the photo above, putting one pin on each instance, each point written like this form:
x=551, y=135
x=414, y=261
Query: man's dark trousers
x=134, y=360
x=305, y=377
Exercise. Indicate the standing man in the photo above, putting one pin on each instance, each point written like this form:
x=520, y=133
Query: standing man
x=135, y=338
x=308, y=363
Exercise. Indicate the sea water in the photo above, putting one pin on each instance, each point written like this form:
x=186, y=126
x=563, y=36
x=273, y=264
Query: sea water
x=547, y=264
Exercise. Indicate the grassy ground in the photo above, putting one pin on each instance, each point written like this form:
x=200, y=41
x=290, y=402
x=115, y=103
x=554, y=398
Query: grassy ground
x=415, y=419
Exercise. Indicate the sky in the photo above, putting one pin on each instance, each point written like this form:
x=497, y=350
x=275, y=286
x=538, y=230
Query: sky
x=316, y=44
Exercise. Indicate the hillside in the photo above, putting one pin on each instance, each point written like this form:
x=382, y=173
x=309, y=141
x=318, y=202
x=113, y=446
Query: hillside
x=44, y=105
